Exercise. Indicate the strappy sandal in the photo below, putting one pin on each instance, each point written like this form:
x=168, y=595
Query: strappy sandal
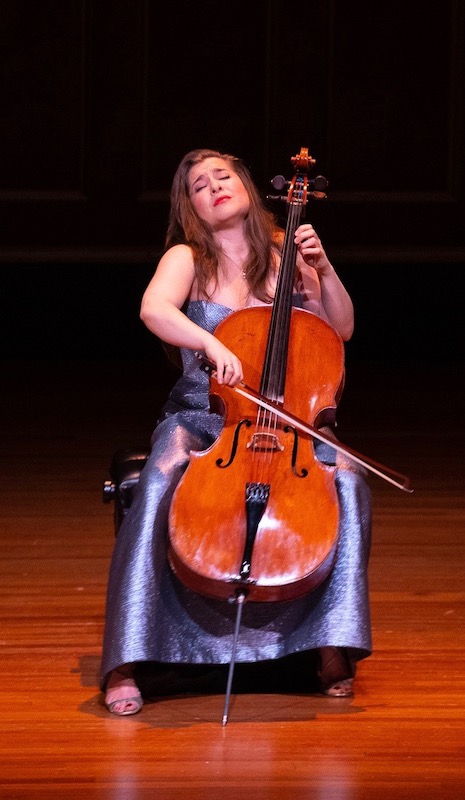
x=123, y=706
x=335, y=672
x=340, y=689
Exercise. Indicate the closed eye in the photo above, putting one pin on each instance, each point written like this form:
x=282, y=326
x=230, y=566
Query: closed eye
x=202, y=184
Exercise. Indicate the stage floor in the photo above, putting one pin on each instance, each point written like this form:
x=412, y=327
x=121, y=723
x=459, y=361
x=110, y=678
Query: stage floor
x=402, y=735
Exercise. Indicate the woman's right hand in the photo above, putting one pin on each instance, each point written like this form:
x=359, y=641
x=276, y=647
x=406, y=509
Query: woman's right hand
x=228, y=367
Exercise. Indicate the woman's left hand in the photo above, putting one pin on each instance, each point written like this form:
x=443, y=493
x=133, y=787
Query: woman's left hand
x=310, y=248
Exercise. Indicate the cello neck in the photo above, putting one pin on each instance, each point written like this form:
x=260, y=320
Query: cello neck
x=275, y=364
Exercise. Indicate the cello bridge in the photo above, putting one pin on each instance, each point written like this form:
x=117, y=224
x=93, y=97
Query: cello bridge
x=265, y=442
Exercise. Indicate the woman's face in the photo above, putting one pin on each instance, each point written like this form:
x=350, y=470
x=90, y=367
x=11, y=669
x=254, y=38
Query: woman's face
x=217, y=193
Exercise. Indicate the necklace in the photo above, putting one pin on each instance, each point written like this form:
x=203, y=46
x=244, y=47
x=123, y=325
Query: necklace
x=242, y=271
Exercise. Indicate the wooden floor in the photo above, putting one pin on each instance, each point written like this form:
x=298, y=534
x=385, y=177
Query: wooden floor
x=403, y=734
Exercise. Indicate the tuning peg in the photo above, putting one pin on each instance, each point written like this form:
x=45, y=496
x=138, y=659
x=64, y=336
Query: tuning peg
x=279, y=182
x=319, y=184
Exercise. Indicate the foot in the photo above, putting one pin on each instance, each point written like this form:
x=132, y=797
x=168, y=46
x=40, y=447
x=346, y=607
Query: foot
x=336, y=672
x=340, y=689
x=122, y=695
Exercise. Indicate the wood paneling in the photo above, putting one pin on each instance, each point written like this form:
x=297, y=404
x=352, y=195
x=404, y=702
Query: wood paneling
x=101, y=99
x=44, y=104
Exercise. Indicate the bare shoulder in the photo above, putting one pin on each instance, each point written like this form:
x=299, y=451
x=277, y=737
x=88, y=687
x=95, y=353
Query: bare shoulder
x=173, y=278
x=178, y=254
x=177, y=264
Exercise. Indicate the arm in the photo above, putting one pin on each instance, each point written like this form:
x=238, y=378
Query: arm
x=324, y=293
x=161, y=312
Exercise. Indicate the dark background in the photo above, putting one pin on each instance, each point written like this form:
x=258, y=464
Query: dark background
x=100, y=100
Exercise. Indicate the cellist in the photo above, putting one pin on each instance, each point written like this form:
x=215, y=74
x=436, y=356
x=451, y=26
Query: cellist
x=222, y=253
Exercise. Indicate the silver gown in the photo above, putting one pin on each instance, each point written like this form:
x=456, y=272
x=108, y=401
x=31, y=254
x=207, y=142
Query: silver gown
x=152, y=617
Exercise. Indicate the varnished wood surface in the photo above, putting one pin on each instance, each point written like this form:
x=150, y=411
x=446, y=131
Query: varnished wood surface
x=403, y=734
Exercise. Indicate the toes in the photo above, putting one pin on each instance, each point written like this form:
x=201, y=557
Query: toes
x=340, y=689
x=124, y=707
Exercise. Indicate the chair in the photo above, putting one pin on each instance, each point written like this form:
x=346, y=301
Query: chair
x=125, y=469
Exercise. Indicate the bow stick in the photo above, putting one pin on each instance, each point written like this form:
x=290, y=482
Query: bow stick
x=402, y=482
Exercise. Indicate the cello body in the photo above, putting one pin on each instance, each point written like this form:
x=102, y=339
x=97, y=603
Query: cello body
x=257, y=512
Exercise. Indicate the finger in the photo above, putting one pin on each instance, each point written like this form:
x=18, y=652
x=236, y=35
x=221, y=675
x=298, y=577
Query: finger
x=232, y=373
x=224, y=372
x=305, y=235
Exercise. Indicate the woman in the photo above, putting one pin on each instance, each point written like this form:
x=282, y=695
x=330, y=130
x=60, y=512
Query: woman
x=222, y=253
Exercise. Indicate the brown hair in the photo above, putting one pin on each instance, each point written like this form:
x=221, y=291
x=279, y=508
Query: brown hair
x=185, y=227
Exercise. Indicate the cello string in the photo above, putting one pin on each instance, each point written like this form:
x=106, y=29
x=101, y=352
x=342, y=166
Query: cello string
x=268, y=439
x=280, y=339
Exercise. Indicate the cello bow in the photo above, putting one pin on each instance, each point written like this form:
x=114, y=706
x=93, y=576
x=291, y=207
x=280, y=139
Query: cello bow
x=386, y=473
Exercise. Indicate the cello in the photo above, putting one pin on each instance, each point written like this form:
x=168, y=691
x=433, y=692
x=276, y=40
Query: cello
x=264, y=523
